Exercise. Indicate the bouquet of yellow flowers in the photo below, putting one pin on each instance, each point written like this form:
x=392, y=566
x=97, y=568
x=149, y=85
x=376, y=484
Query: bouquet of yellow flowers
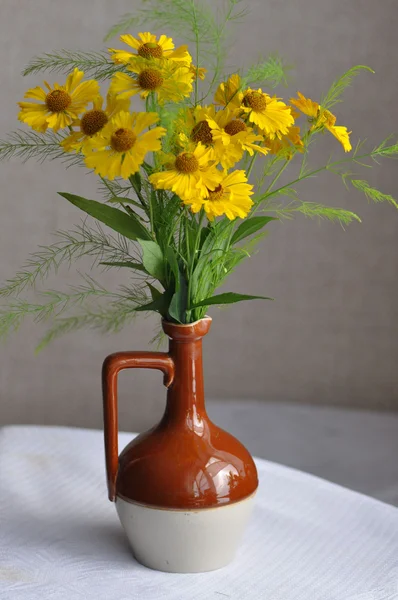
x=189, y=175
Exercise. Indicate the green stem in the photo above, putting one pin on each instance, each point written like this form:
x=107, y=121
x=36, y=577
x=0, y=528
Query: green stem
x=196, y=31
x=251, y=165
x=192, y=262
x=218, y=60
x=313, y=173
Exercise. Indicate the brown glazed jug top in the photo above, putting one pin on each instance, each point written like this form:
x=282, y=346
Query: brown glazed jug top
x=185, y=461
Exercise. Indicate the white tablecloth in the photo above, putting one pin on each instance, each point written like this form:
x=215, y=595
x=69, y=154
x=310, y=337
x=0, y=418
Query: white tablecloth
x=60, y=538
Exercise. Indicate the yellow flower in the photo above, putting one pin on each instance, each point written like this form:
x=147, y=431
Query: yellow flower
x=121, y=148
x=92, y=122
x=199, y=72
x=148, y=46
x=232, y=137
x=59, y=106
x=170, y=82
x=306, y=106
x=287, y=144
x=342, y=135
x=271, y=115
x=191, y=174
x=231, y=198
x=192, y=125
x=321, y=117
x=228, y=93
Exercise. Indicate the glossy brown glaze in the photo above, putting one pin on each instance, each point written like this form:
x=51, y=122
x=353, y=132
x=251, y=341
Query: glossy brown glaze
x=185, y=461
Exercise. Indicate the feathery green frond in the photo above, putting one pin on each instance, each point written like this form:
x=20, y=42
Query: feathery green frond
x=338, y=86
x=270, y=72
x=372, y=193
x=94, y=64
x=385, y=149
x=12, y=315
x=110, y=319
x=329, y=213
x=72, y=245
x=30, y=144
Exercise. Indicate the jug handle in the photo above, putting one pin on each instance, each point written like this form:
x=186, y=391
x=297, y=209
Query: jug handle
x=110, y=370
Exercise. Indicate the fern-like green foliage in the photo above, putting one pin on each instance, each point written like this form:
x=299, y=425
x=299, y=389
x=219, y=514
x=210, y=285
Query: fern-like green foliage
x=94, y=64
x=270, y=72
x=329, y=213
x=337, y=88
x=41, y=146
x=107, y=319
x=69, y=247
x=372, y=193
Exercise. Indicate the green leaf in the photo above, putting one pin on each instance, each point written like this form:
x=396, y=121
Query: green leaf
x=227, y=298
x=155, y=293
x=178, y=304
x=250, y=226
x=172, y=260
x=153, y=259
x=122, y=200
x=128, y=264
x=127, y=225
x=160, y=304
x=136, y=181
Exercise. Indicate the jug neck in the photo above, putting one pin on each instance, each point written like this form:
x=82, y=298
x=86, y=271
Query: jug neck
x=185, y=397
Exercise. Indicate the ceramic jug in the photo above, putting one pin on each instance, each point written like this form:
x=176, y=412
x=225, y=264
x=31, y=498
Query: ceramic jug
x=185, y=488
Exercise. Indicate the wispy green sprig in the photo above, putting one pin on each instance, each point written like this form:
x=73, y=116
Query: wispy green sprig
x=71, y=246
x=270, y=72
x=30, y=144
x=107, y=319
x=54, y=303
x=94, y=64
x=337, y=88
x=372, y=193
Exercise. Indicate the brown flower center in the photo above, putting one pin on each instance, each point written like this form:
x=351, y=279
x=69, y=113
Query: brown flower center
x=186, y=163
x=216, y=194
x=150, y=50
x=123, y=140
x=255, y=100
x=93, y=121
x=150, y=79
x=235, y=126
x=202, y=133
x=58, y=100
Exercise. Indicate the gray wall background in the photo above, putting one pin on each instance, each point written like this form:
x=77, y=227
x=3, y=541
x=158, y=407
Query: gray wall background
x=331, y=336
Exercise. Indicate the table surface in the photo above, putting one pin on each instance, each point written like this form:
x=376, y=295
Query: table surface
x=60, y=538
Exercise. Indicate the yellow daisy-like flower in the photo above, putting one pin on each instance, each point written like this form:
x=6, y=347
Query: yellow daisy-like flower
x=306, y=106
x=165, y=79
x=342, y=135
x=192, y=125
x=60, y=105
x=92, y=122
x=320, y=117
x=191, y=174
x=288, y=144
x=148, y=46
x=271, y=115
x=198, y=72
x=232, y=137
x=231, y=198
x=121, y=148
x=229, y=92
